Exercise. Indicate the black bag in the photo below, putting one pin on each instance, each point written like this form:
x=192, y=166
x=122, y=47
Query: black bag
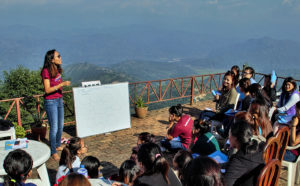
x=5, y=125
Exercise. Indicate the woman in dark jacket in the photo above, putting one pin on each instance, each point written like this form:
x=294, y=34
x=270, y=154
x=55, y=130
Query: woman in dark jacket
x=155, y=167
x=243, y=167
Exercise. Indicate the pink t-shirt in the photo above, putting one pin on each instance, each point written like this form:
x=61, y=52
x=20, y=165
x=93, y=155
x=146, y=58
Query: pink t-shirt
x=53, y=82
x=183, y=128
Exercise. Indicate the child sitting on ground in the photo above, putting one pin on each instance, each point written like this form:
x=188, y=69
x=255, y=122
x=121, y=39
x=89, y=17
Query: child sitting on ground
x=128, y=172
x=69, y=159
x=18, y=166
x=144, y=137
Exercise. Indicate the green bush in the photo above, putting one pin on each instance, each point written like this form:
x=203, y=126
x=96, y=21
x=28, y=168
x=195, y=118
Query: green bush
x=20, y=131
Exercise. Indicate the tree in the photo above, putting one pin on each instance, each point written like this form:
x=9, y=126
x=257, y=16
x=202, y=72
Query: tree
x=21, y=82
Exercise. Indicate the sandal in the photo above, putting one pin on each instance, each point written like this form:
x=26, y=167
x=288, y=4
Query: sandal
x=59, y=148
x=55, y=157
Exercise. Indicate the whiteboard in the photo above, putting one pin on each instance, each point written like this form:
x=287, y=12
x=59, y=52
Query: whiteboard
x=101, y=109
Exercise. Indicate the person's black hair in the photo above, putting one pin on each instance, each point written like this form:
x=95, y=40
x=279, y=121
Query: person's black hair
x=17, y=164
x=182, y=158
x=68, y=154
x=252, y=71
x=237, y=76
x=289, y=80
x=153, y=162
x=203, y=126
x=256, y=90
x=146, y=137
x=52, y=68
x=298, y=105
x=244, y=84
x=92, y=165
x=243, y=133
x=202, y=171
x=177, y=110
x=128, y=171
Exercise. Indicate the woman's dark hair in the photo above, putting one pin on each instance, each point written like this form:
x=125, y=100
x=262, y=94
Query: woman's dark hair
x=247, y=117
x=146, y=137
x=289, y=80
x=17, y=164
x=153, y=162
x=52, y=68
x=258, y=93
x=128, y=171
x=75, y=179
x=203, y=126
x=92, y=165
x=245, y=84
x=182, y=158
x=298, y=105
x=257, y=107
x=202, y=171
x=177, y=110
x=237, y=75
x=68, y=154
x=243, y=133
x=232, y=75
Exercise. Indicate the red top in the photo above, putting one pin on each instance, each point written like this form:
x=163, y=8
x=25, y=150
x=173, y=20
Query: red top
x=53, y=82
x=183, y=129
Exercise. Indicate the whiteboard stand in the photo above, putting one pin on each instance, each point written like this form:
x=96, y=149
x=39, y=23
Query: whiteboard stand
x=101, y=109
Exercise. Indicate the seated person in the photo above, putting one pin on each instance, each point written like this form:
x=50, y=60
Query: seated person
x=269, y=88
x=257, y=92
x=128, y=172
x=74, y=179
x=144, y=137
x=156, y=169
x=69, y=159
x=256, y=130
x=286, y=107
x=180, y=161
x=236, y=70
x=259, y=112
x=18, y=166
x=179, y=130
x=245, y=165
x=227, y=99
x=249, y=73
x=244, y=85
x=202, y=171
x=291, y=155
x=203, y=142
x=92, y=165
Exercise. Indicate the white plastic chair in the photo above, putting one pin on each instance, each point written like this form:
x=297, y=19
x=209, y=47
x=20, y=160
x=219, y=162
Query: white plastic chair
x=8, y=133
x=292, y=169
x=236, y=101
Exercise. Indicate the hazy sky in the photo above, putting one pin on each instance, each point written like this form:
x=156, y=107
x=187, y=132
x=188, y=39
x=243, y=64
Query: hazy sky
x=245, y=18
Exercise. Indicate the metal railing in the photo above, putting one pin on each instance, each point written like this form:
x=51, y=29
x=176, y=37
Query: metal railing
x=152, y=91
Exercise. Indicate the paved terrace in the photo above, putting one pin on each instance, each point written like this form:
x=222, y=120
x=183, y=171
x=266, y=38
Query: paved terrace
x=116, y=147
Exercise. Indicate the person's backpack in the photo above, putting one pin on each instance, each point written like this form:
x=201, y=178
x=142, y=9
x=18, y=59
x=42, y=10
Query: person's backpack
x=5, y=125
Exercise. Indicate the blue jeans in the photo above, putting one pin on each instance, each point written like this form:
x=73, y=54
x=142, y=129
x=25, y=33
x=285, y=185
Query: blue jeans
x=55, y=113
x=173, y=144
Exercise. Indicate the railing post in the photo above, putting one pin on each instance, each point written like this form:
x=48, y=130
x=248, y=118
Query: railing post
x=192, y=90
x=18, y=111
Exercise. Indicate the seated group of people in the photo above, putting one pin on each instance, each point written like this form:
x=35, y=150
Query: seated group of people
x=247, y=129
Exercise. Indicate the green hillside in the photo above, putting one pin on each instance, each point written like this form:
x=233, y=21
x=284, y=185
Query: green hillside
x=89, y=72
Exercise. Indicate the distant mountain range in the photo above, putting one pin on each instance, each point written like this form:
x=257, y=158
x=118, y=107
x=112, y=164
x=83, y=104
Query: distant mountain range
x=139, y=52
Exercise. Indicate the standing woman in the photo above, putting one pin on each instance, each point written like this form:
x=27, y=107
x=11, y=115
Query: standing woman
x=52, y=80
